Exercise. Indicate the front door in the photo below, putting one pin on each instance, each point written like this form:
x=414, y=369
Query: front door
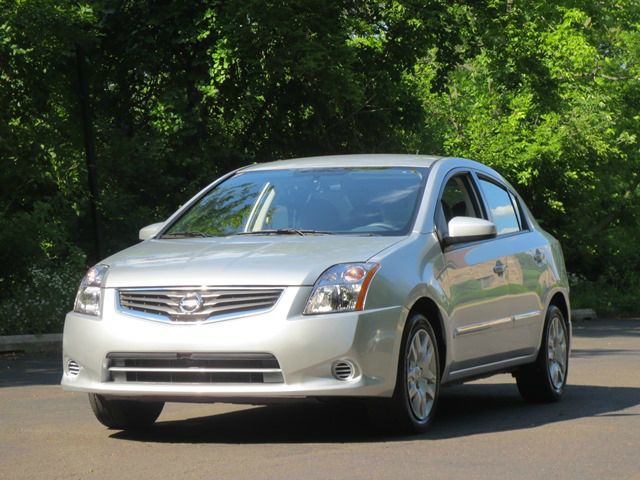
x=476, y=284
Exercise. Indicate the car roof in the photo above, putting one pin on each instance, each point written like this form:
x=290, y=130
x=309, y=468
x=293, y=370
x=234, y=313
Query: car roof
x=360, y=160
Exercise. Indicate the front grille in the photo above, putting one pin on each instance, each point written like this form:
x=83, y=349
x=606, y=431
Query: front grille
x=208, y=368
x=187, y=305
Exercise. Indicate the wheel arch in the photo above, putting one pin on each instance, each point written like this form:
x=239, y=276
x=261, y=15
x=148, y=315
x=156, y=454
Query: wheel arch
x=559, y=298
x=429, y=308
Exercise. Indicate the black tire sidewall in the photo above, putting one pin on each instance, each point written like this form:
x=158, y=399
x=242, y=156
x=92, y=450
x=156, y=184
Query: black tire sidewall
x=124, y=414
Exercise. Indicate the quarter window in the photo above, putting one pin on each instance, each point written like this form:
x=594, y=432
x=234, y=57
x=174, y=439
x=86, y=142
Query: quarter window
x=501, y=207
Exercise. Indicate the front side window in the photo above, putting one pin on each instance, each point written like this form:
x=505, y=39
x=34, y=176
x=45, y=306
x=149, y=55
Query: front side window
x=501, y=207
x=372, y=201
x=458, y=199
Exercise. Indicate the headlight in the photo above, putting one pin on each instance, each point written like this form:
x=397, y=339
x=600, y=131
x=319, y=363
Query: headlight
x=341, y=288
x=89, y=296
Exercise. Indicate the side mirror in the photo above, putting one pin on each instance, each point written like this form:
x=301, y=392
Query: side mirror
x=469, y=229
x=150, y=230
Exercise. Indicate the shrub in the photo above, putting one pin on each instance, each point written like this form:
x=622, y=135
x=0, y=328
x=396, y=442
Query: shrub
x=38, y=304
x=604, y=296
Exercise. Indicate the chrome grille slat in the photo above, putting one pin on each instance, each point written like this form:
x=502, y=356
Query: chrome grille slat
x=146, y=306
x=194, y=369
x=197, y=368
x=230, y=308
x=178, y=292
x=129, y=298
x=254, y=298
x=164, y=304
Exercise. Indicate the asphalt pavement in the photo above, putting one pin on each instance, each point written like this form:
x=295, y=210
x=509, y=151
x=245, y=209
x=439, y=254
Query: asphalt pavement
x=483, y=430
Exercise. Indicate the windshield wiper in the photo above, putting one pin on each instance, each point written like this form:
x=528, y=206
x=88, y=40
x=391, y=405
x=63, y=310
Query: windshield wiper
x=186, y=235
x=285, y=231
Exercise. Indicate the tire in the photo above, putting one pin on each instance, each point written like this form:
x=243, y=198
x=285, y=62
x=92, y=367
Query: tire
x=546, y=378
x=413, y=405
x=124, y=414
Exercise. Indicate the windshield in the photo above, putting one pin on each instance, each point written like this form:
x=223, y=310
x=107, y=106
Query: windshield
x=375, y=201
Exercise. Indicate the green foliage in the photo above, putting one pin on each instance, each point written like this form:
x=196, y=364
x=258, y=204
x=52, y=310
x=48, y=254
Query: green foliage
x=546, y=92
x=38, y=302
x=549, y=97
x=607, y=301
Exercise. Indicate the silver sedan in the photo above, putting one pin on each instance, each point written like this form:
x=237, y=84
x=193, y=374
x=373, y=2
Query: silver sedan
x=380, y=277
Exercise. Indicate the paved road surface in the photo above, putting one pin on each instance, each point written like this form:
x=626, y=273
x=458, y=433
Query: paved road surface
x=483, y=430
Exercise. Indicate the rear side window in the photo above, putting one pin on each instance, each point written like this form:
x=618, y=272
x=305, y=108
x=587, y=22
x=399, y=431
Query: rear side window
x=503, y=212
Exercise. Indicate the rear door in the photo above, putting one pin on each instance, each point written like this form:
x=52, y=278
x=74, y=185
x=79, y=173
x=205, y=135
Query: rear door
x=525, y=254
x=528, y=271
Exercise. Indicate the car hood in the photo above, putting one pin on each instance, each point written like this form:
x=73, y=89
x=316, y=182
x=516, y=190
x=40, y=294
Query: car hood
x=238, y=260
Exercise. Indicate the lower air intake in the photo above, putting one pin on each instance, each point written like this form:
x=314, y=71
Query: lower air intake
x=73, y=368
x=343, y=370
x=198, y=368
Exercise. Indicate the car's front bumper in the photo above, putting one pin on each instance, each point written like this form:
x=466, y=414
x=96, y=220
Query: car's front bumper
x=306, y=347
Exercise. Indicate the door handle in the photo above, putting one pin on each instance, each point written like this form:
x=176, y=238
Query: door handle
x=538, y=256
x=500, y=268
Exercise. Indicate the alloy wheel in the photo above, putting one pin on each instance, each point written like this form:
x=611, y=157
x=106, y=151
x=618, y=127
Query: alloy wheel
x=421, y=374
x=557, y=352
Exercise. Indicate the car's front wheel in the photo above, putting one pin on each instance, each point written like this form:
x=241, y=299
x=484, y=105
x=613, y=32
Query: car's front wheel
x=124, y=414
x=544, y=380
x=414, y=401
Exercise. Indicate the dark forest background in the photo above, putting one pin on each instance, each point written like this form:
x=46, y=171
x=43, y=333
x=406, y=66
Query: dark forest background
x=171, y=94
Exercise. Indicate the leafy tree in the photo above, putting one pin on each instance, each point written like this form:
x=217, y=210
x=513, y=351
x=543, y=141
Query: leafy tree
x=180, y=92
x=549, y=97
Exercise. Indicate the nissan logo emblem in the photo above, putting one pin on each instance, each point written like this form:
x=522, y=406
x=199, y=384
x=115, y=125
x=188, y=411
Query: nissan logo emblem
x=191, y=302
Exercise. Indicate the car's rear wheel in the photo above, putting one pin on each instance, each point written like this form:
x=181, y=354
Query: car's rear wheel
x=546, y=378
x=414, y=401
x=124, y=414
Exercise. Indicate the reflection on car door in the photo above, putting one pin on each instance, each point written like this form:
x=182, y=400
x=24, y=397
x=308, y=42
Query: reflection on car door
x=475, y=284
x=479, y=318
x=529, y=276
x=526, y=261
